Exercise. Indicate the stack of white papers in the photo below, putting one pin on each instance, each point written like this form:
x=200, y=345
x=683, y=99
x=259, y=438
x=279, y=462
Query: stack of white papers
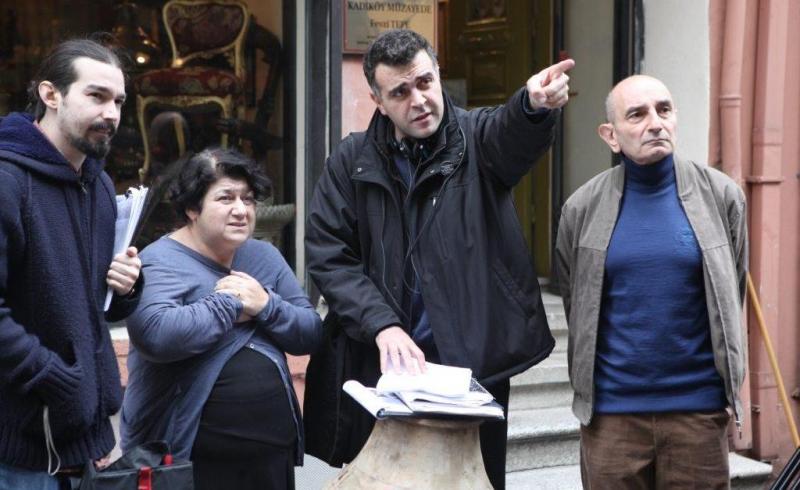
x=437, y=379
x=129, y=210
x=441, y=390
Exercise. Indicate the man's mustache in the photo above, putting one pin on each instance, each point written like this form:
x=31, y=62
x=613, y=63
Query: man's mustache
x=104, y=126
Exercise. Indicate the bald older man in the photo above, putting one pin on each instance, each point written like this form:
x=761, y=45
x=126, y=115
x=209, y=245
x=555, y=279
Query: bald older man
x=652, y=256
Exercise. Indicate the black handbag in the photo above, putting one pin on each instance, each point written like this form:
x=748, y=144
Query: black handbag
x=336, y=426
x=149, y=466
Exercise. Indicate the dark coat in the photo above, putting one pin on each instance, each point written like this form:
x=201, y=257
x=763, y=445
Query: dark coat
x=475, y=271
x=56, y=240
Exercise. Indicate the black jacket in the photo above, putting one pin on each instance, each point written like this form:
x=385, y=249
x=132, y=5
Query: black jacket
x=56, y=240
x=476, y=273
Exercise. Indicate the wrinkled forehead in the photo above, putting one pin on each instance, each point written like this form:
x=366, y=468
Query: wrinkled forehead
x=639, y=92
x=100, y=75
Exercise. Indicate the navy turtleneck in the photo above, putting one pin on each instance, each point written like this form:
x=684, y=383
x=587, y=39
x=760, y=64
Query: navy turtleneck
x=654, y=346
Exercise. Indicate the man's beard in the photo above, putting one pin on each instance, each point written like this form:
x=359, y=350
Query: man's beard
x=98, y=149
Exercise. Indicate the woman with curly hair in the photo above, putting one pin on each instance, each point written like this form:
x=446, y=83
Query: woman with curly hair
x=207, y=367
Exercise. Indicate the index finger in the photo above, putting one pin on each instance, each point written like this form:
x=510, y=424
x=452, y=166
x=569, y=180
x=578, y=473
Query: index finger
x=556, y=70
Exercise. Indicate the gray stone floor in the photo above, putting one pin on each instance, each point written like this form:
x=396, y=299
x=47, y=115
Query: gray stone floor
x=314, y=474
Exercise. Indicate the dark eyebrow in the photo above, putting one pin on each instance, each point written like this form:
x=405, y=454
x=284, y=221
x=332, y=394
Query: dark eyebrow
x=633, y=109
x=641, y=107
x=104, y=90
x=427, y=74
x=396, y=88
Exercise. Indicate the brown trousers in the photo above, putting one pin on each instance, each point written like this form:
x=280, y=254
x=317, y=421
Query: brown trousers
x=660, y=451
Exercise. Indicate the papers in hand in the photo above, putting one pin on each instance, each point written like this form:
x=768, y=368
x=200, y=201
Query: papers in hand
x=129, y=210
x=440, y=391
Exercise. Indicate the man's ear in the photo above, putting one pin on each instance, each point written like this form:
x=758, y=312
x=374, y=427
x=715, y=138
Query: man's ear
x=49, y=94
x=377, y=101
x=607, y=134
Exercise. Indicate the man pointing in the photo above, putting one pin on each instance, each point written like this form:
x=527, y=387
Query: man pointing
x=413, y=238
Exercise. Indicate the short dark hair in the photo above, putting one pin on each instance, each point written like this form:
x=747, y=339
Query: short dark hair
x=396, y=47
x=203, y=169
x=58, y=68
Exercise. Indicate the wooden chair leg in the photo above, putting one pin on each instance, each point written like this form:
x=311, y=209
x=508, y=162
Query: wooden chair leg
x=141, y=103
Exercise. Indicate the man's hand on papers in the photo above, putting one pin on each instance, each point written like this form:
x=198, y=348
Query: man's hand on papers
x=397, y=348
x=549, y=89
x=124, y=271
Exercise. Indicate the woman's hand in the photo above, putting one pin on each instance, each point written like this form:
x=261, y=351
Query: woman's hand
x=249, y=291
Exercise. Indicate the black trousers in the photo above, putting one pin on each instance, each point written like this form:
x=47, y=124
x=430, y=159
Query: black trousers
x=493, y=435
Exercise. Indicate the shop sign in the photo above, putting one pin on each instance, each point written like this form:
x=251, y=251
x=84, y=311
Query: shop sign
x=365, y=20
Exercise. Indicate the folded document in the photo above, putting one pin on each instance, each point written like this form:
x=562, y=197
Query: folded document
x=382, y=406
x=437, y=379
x=440, y=391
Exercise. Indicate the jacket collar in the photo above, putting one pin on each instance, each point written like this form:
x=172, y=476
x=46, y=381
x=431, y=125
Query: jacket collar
x=447, y=139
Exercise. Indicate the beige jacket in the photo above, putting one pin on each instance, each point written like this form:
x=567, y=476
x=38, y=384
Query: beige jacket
x=715, y=208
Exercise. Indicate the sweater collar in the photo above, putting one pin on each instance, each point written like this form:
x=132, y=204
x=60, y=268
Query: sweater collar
x=649, y=177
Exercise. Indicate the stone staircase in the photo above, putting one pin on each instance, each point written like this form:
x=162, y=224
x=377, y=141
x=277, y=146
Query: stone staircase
x=543, y=435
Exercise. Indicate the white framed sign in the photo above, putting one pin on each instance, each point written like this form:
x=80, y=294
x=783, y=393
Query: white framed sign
x=365, y=20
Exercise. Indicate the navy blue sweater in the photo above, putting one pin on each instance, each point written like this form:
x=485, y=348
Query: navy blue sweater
x=654, y=347
x=56, y=240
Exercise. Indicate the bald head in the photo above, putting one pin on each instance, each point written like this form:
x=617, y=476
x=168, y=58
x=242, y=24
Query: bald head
x=634, y=83
x=641, y=120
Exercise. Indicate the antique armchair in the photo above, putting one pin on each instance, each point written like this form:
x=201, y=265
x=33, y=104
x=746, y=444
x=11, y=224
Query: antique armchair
x=202, y=33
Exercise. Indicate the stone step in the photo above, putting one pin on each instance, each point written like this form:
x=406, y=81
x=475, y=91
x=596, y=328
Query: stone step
x=551, y=478
x=551, y=370
x=542, y=437
x=746, y=474
x=541, y=396
x=561, y=336
x=557, y=320
x=550, y=298
x=544, y=385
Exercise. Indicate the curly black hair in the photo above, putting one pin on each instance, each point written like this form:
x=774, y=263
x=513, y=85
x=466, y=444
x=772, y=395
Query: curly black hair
x=202, y=169
x=395, y=47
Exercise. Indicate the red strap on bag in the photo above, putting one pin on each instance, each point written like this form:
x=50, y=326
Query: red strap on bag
x=145, y=478
x=167, y=460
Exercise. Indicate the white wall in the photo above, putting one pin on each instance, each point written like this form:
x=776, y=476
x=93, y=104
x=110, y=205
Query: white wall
x=676, y=51
x=300, y=139
x=589, y=39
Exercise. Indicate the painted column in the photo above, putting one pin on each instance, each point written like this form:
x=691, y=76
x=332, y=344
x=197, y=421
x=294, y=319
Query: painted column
x=770, y=431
